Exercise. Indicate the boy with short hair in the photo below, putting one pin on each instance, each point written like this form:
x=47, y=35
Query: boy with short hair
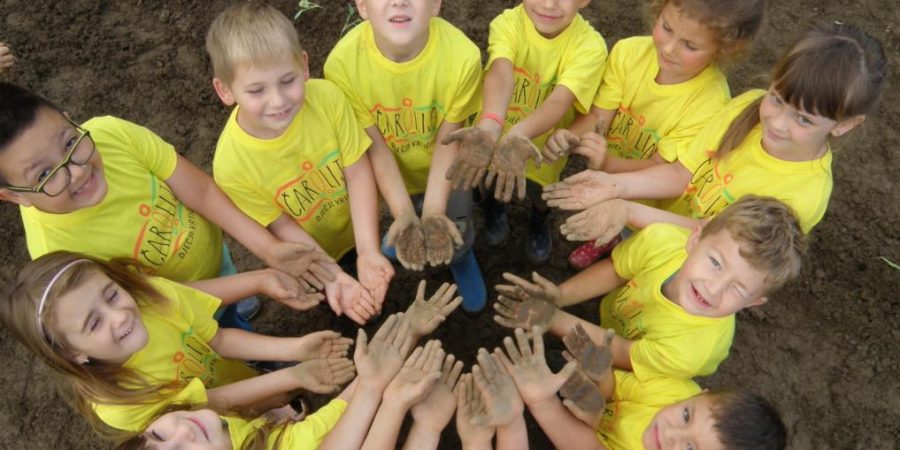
x=292, y=155
x=413, y=79
x=674, y=313
x=545, y=62
x=114, y=189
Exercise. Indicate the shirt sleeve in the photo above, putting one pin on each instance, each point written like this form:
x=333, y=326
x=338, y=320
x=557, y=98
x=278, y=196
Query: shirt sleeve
x=309, y=432
x=695, y=352
x=352, y=138
x=138, y=417
x=339, y=65
x=583, y=70
x=612, y=87
x=196, y=307
x=249, y=200
x=697, y=115
x=467, y=99
x=702, y=147
x=157, y=155
x=504, y=37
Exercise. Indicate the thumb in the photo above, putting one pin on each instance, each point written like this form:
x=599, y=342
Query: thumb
x=390, y=239
x=575, y=410
x=453, y=137
x=362, y=344
x=565, y=373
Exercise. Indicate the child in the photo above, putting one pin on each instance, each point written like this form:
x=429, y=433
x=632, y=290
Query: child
x=341, y=424
x=412, y=79
x=673, y=315
x=113, y=189
x=658, y=91
x=126, y=344
x=656, y=414
x=773, y=142
x=545, y=62
x=292, y=155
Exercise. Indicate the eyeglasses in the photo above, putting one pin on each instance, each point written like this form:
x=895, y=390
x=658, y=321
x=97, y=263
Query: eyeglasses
x=57, y=179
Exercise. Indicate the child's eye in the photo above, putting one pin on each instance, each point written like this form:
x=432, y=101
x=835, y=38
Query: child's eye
x=690, y=446
x=666, y=27
x=112, y=297
x=288, y=80
x=804, y=121
x=94, y=324
x=156, y=436
x=690, y=46
x=255, y=91
x=715, y=263
x=44, y=174
x=71, y=143
x=686, y=415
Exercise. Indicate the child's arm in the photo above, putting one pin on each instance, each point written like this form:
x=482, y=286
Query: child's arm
x=499, y=83
x=405, y=233
x=431, y=415
x=441, y=234
x=416, y=379
x=374, y=270
x=239, y=344
x=199, y=192
x=272, y=283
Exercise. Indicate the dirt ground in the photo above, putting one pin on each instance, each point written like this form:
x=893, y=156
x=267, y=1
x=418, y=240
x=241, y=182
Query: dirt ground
x=824, y=350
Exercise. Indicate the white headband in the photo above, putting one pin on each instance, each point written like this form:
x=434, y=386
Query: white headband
x=40, y=308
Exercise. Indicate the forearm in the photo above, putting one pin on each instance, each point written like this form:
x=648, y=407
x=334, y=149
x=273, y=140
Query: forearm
x=286, y=229
x=385, y=427
x=598, y=279
x=230, y=289
x=658, y=182
x=387, y=175
x=513, y=436
x=422, y=438
x=498, y=90
x=546, y=116
x=614, y=164
x=363, y=205
x=437, y=190
x=350, y=431
x=236, y=343
x=640, y=216
x=251, y=391
x=564, y=430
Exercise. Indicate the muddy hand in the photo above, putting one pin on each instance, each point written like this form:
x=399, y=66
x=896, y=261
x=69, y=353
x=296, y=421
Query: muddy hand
x=508, y=166
x=593, y=147
x=594, y=360
x=408, y=237
x=322, y=345
x=523, y=313
x=501, y=399
x=599, y=223
x=441, y=237
x=581, y=190
x=425, y=316
x=470, y=404
x=582, y=393
x=560, y=144
x=476, y=148
x=323, y=376
x=436, y=410
x=528, y=367
x=541, y=289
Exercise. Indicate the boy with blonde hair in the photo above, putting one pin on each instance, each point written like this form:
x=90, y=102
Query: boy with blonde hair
x=292, y=155
x=545, y=62
x=413, y=78
x=678, y=291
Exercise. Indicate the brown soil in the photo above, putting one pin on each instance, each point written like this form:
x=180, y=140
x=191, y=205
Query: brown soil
x=824, y=350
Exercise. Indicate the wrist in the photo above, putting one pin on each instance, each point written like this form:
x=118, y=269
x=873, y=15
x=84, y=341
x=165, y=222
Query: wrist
x=492, y=128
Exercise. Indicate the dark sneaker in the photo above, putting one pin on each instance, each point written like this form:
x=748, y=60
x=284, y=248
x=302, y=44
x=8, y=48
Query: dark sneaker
x=470, y=282
x=539, y=243
x=248, y=308
x=496, y=225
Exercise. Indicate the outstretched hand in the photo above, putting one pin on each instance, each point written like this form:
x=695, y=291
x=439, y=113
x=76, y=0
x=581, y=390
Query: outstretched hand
x=346, y=296
x=442, y=236
x=321, y=345
x=508, y=166
x=424, y=316
x=581, y=190
x=375, y=273
x=303, y=261
x=379, y=360
x=417, y=377
x=599, y=223
x=519, y=309
x=408, y=237
x=470, y=404
x=476, y=148
x=584, y=399
x=436, y=410
x=323, y=376
x=502, y=402
x=541, y=288
x=528, y=367
x=288, y=290
x=594, y=360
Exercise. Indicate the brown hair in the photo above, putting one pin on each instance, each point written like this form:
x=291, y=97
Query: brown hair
x=768, y=234
x=734, y=22
x=746, y=421
x=81, y=384
x=250, y=33
x=835, y=70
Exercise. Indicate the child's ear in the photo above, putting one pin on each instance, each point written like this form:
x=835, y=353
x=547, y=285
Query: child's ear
x=846, y=125
x=436, y=8
x=695, y=235
x=223, y=91
x=361, y=8
x=304, y=65
x=757, y=302
x=78, y=358
x=14, y=197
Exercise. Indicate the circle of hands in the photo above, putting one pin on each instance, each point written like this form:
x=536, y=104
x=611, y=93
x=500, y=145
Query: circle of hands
x=430, y=383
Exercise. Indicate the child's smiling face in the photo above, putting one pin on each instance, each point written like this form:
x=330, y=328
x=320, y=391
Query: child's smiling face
x=268, y=95
x=195, y=430
x=36, y=151
x=715, y=280
x=400, y=26
x=98, y=321
x=551, y=17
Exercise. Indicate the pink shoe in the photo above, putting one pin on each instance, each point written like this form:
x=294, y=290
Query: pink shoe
x=586, y=254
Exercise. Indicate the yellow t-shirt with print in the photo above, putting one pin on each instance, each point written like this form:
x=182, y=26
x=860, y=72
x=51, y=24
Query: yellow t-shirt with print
x=651, y=117
x=747, y=169
x=306, y=434
x=669, y=341
x=635, y=404
x=574, y=59
x=177, y=352
x=139, y=217
x=301, y=172
x=409, y=101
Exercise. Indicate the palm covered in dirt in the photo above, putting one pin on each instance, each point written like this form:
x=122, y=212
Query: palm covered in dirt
x=508, y=166
x=424, y=316
x=476, y=149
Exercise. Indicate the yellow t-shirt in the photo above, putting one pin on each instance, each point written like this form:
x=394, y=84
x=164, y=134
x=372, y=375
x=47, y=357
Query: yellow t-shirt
x=716, y=183
x=574, y=59
x=652, y=117
x=409, y=101
x=177, y=351
x=301, y=172
x=635, y=403
x=305, y=434
x=139, y=218
x=669, y=341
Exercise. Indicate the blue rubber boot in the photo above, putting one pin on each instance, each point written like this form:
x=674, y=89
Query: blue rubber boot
x=388, y=252
x=470, y=282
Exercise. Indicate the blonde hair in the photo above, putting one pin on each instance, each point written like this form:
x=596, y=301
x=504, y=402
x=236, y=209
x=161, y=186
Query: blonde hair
x=768, y=234
x=81, y=384
x=250, y=33
x=735, y=23
x=835, y=70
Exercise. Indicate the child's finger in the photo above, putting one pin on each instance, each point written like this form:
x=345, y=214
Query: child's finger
x=522, y=343
x=504, y=310
x=420, y=291
x=486, y=363
x=386, y=329
x=506, y=322
x=453, y=375
x=362, y=344
x=450, y=307
x=512, y=351
x=537, y=336
x=413, y=359
x=566, y=372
